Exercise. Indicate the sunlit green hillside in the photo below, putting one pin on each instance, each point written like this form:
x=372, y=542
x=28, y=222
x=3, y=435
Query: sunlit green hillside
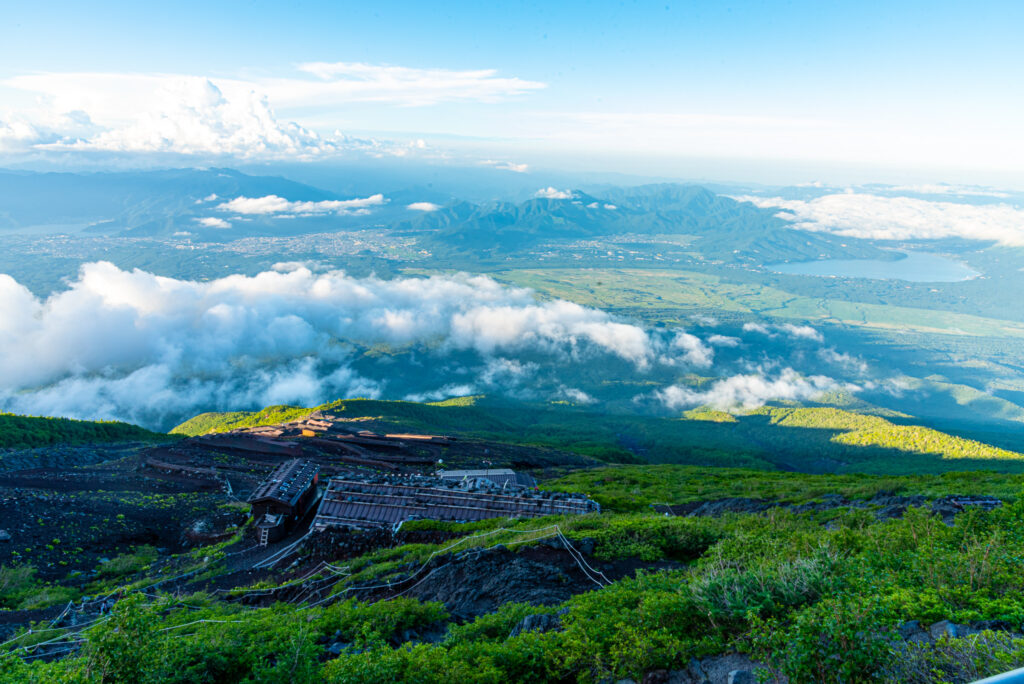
x=815, y=439
x=30, y=431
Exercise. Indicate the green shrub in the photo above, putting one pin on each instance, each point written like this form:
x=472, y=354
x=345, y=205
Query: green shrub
x=20, y=590
x=128, y=563
x=494, y=626
x=842, y=639
x=366, y=624
x=966, y=659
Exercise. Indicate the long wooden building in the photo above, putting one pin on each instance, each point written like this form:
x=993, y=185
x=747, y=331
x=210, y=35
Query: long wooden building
x=387, y=501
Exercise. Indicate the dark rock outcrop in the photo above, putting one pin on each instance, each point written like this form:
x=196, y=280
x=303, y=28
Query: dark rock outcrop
x=479, y=581
x=883, y=505
x=729, y=668
x=539, y=622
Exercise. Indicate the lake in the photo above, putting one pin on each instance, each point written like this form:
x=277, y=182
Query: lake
x=917, y=267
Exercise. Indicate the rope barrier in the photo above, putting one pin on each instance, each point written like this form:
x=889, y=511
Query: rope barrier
x=309, y=586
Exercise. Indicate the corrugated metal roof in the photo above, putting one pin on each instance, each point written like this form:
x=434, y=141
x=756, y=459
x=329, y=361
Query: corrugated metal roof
x=499, y=476
x=379, y=503
x=287, y=483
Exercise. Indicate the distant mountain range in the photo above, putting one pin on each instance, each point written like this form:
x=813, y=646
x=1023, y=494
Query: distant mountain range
x=188, y=202
x=724, y=227
x=143, y=202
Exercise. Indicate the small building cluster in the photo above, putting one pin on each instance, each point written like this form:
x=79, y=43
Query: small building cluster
x=373, y=482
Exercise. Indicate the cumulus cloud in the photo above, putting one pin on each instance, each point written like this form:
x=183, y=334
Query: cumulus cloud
x=272, y=204
x=423, y=206
x=805, y=332
x=574, y=396
x=510, y=377
x=555, y=193
x=757, y=327
x=212, y=222
x=694, y=351
x=503, y=372
x=162, y=114
x=140, y=347
x=442, y=393
x=724, y=341
x=802, y=331
x=844, y=360
x=18, y=135
x=506, y=166
x=871, y=216
x=749, y=391
x=196, y=115
x=135, y=346
x=500, y=327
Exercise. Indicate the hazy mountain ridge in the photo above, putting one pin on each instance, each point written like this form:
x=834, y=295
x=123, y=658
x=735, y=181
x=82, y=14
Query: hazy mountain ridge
x=128, y=200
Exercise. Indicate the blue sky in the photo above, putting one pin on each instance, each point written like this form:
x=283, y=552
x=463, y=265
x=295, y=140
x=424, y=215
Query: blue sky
x=931, y=89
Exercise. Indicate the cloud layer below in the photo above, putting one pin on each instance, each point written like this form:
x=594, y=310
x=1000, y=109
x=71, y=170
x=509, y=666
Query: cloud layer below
x=137, y=346
x=153, y=350
x=871, y=216
x=751, y=390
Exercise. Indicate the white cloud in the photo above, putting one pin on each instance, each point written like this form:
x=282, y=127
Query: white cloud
x=213, y=222
x=423, y=206
x=574, y=395
x=557, y=323
x=18, y=135
x=502, y=372
x=844, y=360
x=357, y=82
x=195, y=115
x=801, y=331
x=140, y=347
x=757, y=327
x=749, y=391
x=790, y=330
x=506, y=166
x=900, y=218
x=164, y=114
x=555, y=193
x=446, y=392
x=724, y=341
x=948, y=189
x=695, y=352
x=272, y=204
